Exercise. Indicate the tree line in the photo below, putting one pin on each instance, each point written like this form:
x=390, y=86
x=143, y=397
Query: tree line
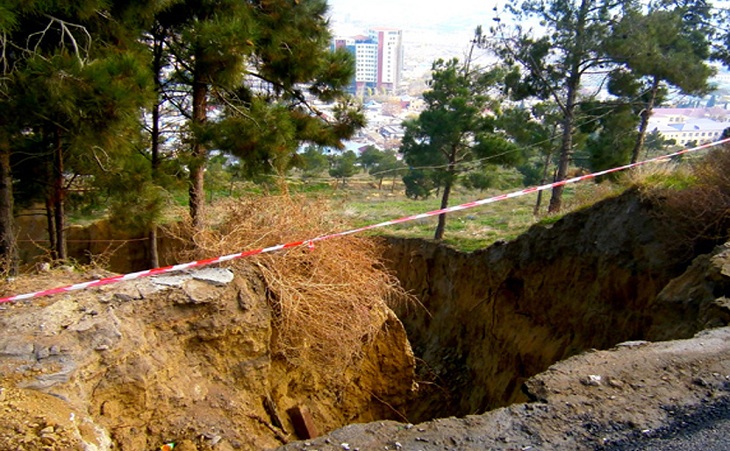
x=535, y=105
x=113, y=103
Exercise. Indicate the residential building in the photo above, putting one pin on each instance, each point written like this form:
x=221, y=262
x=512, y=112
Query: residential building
x=390, y=57
x=689, y=125
x=378, y=59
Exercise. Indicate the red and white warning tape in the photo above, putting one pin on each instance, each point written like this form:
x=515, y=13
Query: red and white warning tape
x=310, y=242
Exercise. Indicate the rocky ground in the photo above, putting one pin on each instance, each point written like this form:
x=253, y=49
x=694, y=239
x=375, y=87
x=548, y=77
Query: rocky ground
x=597, y=400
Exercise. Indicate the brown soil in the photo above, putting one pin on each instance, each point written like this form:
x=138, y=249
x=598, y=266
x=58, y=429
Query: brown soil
x=182, y=359
x=187, y=359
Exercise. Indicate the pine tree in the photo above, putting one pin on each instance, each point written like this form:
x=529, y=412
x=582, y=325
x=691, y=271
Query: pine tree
x=343, y=166
x=453, y=129
x=552, y=65
x=78, y=92
x=252, y=62
x=535, y=128
x=663, y=46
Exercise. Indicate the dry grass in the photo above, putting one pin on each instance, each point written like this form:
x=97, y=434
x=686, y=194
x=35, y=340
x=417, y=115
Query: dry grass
x=659, y=175
x=327, y=301
x=702, y=210
x=694, y=199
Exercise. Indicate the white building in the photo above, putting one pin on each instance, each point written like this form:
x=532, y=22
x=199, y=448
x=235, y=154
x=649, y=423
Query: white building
x=366, y=63
x=390, y=56
x=687, y=125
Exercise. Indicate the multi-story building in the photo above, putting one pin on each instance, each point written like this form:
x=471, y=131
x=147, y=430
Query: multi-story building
x=378, y=59
x=390, y=57
x=690, y=125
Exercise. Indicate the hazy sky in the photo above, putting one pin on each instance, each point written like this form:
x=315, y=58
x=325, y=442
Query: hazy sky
x=443, y=16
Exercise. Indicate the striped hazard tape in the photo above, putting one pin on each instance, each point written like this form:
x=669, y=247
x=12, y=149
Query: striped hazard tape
x=310, y=242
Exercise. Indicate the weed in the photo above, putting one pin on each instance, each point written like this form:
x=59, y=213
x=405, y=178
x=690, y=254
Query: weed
x=695, y=201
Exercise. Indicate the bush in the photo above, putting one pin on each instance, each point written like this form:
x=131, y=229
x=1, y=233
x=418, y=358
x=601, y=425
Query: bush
x=696, y=204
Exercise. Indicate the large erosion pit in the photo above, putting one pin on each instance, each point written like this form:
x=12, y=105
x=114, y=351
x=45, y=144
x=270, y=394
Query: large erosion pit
x=491, y=319
x=188, y=359
x=518, y=325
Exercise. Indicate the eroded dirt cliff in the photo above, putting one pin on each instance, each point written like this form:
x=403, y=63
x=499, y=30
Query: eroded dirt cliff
x=185, y=359
x=495, y=317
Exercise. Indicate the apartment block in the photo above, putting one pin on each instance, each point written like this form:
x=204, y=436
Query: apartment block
x=378, y=59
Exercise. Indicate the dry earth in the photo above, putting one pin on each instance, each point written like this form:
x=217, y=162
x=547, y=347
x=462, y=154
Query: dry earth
x=586, y=402
x=182, y=359
x=188, y=359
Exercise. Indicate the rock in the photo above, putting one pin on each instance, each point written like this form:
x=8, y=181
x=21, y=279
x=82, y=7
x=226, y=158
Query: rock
x=615, y=383
x=215, y=276
x=15, y=348
x=592, y=380
x=632, y=344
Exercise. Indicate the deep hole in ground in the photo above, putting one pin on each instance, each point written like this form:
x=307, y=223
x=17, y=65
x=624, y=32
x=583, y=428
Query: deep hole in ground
x=495, y=317
x=191, y=362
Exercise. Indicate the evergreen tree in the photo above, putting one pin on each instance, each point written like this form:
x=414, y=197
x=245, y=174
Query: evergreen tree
x=455, y=128
x=535, y=128
x=370, y=157
x=77, y=87
x=254, y=63
x=387, y=165
x=611, y=135
x=419, y=183
x=667, y=45
x=207, y=43
x=313, y=162
x=552, y=64
x=344, y=166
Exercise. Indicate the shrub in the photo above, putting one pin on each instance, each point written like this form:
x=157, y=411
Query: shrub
x=696, y=202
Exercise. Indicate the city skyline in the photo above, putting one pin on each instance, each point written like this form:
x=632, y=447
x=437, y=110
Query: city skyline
x=455, y=23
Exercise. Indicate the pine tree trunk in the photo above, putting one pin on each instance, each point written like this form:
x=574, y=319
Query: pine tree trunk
x=199, y=154
x=154, y=258
x=58, y=199
x=645, y=115
x=51, y=227
x=543, y=181
x=572, y=85
x=565, y=153
x=441, y=227
x=8, y=249
x=154, y=255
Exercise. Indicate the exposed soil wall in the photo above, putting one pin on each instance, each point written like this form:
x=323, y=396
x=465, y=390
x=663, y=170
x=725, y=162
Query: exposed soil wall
x=492, y=318
x=185, y=358
x=113, y=249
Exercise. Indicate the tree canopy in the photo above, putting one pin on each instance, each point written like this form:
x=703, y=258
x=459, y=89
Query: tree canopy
x=550, y=64
x=456, y=128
